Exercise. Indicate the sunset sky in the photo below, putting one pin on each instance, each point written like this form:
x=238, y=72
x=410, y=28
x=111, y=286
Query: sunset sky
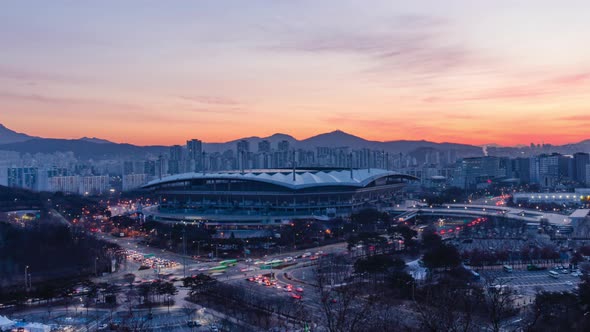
x=160, y=72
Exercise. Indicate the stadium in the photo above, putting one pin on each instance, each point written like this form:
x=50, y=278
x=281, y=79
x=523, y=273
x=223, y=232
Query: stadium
x=271, y=197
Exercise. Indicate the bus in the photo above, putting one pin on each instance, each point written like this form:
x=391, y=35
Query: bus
x=507, y=268
x=553, y=274
x=271, y=264
x=217, y=269
x=229, y=262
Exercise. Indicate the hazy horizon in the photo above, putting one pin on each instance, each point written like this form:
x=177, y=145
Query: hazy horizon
x=183, y=141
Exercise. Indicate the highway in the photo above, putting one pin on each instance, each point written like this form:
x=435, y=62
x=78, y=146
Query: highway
x=472, y=210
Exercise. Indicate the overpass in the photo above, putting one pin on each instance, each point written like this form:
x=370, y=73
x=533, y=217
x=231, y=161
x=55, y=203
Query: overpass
x=476, y=211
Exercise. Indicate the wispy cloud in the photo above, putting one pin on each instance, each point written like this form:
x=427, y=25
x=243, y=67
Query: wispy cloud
x=556, y=85
x=408, y=43
x=581, y=118
x=84, y=107
x=216, y=110
x=67, y=101
x=210, y=105
x=21, y=74
x=211, y=100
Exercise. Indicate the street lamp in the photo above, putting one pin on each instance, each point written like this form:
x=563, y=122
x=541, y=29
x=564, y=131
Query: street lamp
x=26, y=278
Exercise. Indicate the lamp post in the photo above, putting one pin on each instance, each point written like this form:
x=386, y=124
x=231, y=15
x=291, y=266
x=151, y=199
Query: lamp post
x=184, y=250
x=199, y=246
x=26, y=278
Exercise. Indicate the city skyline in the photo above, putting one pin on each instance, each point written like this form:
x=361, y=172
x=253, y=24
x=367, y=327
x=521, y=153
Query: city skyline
x=500, y=73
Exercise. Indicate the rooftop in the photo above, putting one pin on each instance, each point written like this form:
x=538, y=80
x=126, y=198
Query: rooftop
x=284, y=177
x=580, y=213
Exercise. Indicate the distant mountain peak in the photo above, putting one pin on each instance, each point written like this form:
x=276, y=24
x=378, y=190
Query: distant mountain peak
x=10, y=136
x=280, y=136
x=339, y=132
x=95, y=140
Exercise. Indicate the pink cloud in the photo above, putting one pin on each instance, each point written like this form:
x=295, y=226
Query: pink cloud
x=582, y=118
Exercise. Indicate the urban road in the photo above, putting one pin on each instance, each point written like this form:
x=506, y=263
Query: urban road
x=299, y=275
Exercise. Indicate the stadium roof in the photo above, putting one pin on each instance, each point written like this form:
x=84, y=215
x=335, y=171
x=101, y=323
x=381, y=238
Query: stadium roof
x=284, y=177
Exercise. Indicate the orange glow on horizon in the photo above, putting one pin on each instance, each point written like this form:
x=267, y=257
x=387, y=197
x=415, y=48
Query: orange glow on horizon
x=158, y=135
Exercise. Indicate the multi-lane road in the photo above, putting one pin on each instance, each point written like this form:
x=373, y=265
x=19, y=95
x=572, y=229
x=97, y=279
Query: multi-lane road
x=237, y=274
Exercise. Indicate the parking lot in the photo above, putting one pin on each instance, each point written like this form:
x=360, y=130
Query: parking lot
x=174, y=321
x=528, y=283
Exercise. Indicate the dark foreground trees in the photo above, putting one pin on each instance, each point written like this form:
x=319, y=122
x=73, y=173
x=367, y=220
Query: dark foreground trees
x=365, y=298
x=443, y=256
x=51, y=251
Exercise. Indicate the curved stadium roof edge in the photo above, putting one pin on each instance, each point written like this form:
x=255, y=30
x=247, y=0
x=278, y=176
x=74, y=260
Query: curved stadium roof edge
x=284, y=177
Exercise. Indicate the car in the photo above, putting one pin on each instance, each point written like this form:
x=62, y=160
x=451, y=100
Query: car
x=299, y=289
x=569, y=283
x=102, y=327
x=214, y=328
x=296, y=296
x=193, y=323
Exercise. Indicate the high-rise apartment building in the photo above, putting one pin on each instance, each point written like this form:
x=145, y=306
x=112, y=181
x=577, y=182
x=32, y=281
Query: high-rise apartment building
x=581, y=160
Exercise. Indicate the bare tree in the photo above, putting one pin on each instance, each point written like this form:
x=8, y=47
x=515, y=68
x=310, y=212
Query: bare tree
x=447, y=306
x=345, y=307
x=499, y=302
x=131, y=301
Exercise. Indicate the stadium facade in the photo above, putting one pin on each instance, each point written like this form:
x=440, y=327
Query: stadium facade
x=272, y=197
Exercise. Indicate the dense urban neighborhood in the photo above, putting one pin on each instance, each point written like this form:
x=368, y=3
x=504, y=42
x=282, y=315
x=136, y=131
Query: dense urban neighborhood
x=296, y=250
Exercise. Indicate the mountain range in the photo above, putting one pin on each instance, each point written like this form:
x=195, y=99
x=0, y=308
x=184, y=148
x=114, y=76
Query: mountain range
x=97, y=148
x=339, y=138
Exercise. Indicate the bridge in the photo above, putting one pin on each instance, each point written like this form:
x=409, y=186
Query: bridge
x=476, y=211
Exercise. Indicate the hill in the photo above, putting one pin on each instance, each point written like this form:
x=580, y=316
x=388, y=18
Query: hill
x=11, y=136
x=84, y=149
